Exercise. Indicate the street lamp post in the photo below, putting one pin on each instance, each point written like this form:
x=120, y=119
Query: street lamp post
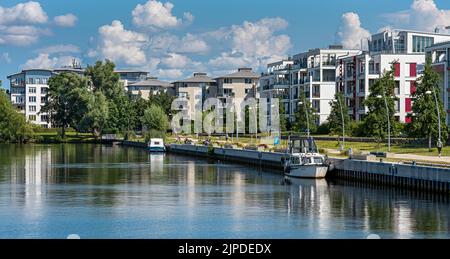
x=388, y=120
x=343, y=123
x=307, y=117
x=439, y=142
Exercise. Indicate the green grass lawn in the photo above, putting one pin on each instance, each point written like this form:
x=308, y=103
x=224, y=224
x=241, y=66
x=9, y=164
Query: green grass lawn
x=70, y=137
x=395, y=148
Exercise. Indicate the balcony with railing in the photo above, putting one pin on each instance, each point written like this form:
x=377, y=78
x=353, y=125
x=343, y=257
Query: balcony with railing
x=329, y=63
x=284, y=95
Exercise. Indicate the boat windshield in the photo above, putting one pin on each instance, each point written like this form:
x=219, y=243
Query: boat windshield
x=318, y=160
x=304, y=145
x=295, y=160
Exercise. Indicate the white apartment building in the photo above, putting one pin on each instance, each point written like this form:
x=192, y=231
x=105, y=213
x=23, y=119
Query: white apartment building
x=440, y=56
x=311, y=73
x=28, y=91
x=405, y=50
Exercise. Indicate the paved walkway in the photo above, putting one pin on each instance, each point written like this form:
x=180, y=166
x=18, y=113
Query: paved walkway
x=444, y=159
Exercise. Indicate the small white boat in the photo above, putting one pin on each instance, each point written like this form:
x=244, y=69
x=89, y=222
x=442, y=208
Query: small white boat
x=156, y=145
x=304, y=160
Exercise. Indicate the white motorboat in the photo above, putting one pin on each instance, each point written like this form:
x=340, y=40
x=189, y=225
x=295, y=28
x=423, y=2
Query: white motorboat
x=304, y=160
x=156, y=145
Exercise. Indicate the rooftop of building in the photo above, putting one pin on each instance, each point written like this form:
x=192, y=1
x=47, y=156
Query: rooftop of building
x=152, y=81
x=197, y=78
x=241, y=73
x=30, y=70
x=445, y=43
x=413, y=31
x=130, y=71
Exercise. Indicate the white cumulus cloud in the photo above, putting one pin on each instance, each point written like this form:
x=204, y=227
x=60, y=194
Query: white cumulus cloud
x=121, y=45
x=22, y=35
x=23, y=13
x=158, y=15
x=188, y=44
x=67, y=20
x=422, y=15
x=251, y=44
x=44, y=61
x=350, y=32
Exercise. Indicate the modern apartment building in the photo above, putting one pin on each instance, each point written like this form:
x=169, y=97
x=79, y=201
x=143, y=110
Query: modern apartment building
x=130, y=76
x=241, y=84
x=440, y=56
x=195, y=89
x=405, y=50
x=312, y=73
x=28, y=91
x=150, y=86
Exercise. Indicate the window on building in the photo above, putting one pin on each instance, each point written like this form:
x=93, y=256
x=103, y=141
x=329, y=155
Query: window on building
x=32, y=117
x=397, y=88
x=227, y=81
x=316, y=91
x=397, y=69
x=32, y=90
x=30, y=81
x=43, y=99
x=32, y=99
x=44, y=118
x=420, y=43
x=362, y=85
x=248, y=81
x=44, y=90
x=413, y=70
x=397, y=106
x=408, y=105
x=38, y=81
x=44, y=81
x=32, y=108
x=316, y=105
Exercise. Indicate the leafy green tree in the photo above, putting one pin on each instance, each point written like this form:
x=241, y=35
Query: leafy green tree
x=425, y=121
x=163, y=100
x=155, y=119
x=138, y=107
x=97, y=113
x=381, y=92
x=102, y=78
x=64, y=103
x=13, y=126
x=305, y=115
x=339, y=112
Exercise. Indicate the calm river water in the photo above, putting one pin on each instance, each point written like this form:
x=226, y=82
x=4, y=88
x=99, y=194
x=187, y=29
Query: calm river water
x=96, y=191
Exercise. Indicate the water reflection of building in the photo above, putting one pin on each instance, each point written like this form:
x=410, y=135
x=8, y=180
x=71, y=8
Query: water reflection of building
x=156, y=162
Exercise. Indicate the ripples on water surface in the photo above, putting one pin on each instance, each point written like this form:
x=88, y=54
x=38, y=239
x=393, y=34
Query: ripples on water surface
x=51, y=191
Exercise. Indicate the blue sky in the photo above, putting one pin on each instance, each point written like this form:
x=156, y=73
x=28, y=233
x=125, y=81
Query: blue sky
x=172, y=40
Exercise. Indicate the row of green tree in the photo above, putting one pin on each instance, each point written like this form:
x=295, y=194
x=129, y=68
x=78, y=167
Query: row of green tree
x=98, y=103
x=380, y=103
x=13, y=126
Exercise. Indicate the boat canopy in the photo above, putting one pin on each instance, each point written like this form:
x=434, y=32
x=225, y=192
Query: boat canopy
x=303, y=145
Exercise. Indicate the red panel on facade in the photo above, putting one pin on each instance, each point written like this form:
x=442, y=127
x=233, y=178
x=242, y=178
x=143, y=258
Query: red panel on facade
x=408, y=105
x=413, y=88
x=412, y=69
x=408, y=119
x=397, y=69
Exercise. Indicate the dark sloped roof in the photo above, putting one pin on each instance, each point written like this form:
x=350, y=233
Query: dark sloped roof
x=242, y=73
x=152, y=82
x=197, y=78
